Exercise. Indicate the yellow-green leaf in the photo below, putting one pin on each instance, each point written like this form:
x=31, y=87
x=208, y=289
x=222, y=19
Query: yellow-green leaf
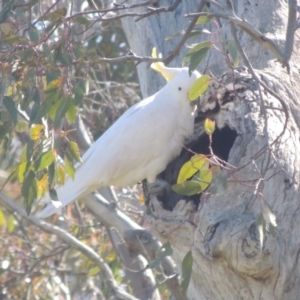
x=74, y=151
x=232, y=49
x=11, y=224
x=191, y=167
x=72, y=113
x=61, y=175
x=204, y=177
x=23, y=168
x=42, y=186
x=2, y=218
x=54, y=85
x=69, y=168
x=36, y=131
x=209, y=126
x=187, y=188
x=93, y=271
x=203, y=20
x=199, y=87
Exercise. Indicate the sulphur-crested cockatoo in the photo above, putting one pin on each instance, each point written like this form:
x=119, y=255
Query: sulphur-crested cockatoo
x=139, y=145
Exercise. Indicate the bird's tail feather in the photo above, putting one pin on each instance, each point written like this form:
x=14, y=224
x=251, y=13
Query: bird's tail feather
x=70, y=191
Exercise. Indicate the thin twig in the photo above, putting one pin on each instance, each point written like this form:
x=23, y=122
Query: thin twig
x=175, y=52
x=69, y=239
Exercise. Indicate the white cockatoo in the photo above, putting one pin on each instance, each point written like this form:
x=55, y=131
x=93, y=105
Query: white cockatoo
x=139, y=145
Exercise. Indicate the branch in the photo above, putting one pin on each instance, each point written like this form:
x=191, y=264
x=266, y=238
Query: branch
x=143, y=242
x=185, y=36
x=290, y=32
x=254, y=33
x=140, y=16
x=293, y=24
x=109, y=215
x=68, y=238
x=133, y=57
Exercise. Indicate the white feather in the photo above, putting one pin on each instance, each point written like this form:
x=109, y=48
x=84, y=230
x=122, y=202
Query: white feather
x=138, y=146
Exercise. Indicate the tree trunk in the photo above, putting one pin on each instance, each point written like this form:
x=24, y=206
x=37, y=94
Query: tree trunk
x=234, y=258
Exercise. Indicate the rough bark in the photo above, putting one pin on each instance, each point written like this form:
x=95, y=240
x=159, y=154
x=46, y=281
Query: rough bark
x=222, y=232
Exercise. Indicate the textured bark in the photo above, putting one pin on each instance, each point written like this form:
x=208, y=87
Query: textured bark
x=222, y=232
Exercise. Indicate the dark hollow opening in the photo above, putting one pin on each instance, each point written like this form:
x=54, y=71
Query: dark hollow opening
x=223, y=140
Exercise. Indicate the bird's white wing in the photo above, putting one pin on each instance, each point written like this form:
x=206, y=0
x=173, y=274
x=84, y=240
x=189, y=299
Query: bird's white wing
x=122, y=154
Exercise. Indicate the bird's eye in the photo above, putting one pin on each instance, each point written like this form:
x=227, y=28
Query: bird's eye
x=179, y=89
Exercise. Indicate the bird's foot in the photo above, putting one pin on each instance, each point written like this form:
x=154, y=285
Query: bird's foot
x=159, y=187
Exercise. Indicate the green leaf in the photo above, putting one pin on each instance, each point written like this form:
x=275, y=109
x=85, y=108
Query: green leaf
x=29, y=190
x=74, y=151
x=29, y=150
x=51, y=173
x=2, y=218
x=199, y=87
x=81, y=20
x=182, y=32
x=200, y=48
x=64, y=104
x=66, y=57
x=204, y=177
x=78, y=50
x=187, y=188
x=79, y=91
x=47, y=52
x=53, y=194
x=7, y=8
x=196, y=59
x=232, y=49
x=93, y=271
x=72, y=113
x=44, y=161
x=164, y=251
x=33, y=33
x=186, y=270
x=196, y=54
x=11, y=224
x=10, y=106
x=69, y=168
x=43, y=109
x=61, y=175
x=191, y=167
x=21, y=126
